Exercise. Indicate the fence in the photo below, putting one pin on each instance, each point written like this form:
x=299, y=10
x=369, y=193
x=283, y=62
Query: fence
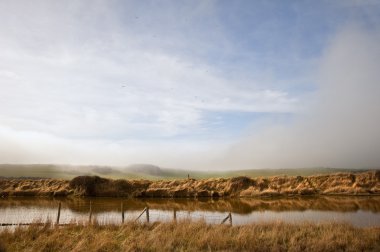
x=145, y=212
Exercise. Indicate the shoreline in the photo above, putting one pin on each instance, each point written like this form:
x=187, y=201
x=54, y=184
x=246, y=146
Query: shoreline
x=339, y=184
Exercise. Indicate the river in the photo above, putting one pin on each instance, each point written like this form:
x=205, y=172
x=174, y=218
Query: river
x=360, y=211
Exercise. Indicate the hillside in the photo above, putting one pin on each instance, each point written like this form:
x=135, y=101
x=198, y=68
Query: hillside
x=147, y=171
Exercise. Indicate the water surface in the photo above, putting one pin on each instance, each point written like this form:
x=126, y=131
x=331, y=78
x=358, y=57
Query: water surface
x=359, y=211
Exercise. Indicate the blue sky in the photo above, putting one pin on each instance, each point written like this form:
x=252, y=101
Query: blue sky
x=113, y=82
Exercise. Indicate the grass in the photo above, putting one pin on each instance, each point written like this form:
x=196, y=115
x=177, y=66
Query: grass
x=364, y=183
x=192, y=236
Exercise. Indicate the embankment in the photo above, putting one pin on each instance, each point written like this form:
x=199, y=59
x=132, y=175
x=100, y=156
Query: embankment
x=365, y=183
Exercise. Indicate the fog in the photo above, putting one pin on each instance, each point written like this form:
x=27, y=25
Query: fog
x=339, y=126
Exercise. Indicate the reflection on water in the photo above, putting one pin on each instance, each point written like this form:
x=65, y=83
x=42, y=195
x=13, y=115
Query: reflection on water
x=360, y=211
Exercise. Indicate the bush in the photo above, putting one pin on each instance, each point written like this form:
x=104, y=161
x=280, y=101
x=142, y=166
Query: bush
x=87, y=183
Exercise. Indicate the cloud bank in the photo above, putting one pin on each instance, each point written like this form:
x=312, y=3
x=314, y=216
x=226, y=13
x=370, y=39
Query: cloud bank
x=341, y=128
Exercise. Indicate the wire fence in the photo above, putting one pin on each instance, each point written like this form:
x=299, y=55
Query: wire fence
x=62, y=216
x=22, y=215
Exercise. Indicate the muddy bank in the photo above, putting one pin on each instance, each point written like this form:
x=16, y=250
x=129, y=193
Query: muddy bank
x=366, y=183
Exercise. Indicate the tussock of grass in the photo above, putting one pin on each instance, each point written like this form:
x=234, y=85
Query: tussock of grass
x=34, y=187
x=193, y=236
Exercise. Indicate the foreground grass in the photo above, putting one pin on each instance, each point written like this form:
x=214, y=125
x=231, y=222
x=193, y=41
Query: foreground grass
x=193, y=236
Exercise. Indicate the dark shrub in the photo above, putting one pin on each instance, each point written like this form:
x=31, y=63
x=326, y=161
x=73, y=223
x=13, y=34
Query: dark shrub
x=377, y=175
x=122, y=185
x=87, y=183
x=241, y=182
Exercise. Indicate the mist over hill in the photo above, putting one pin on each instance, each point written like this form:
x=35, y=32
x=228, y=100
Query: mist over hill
x=149, y=171
x=144, y=169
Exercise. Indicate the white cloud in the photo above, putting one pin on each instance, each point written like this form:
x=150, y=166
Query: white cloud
x=82, y=82
x=77, y=79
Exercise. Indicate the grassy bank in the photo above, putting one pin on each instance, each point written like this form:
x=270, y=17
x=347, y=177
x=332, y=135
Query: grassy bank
x=193, y=236
x=364, y=183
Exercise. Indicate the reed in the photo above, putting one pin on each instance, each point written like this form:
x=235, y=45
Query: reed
x=192, y=236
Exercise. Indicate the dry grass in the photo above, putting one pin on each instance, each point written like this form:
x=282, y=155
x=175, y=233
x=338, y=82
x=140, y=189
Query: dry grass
x=34, y=187
x=365, y=183
x=193, y=236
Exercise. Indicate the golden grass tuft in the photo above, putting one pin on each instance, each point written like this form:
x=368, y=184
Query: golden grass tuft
x=193, y=236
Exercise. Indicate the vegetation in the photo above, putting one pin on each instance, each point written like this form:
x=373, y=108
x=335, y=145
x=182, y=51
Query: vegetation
x=192, y=236
x=365, y=183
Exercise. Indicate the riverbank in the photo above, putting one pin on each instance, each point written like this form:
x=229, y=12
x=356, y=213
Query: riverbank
x=192, y=236
x=365, y=183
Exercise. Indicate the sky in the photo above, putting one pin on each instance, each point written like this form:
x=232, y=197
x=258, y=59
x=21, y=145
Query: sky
x=198, y=85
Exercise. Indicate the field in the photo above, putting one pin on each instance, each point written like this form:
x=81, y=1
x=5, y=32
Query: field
x=192, y=236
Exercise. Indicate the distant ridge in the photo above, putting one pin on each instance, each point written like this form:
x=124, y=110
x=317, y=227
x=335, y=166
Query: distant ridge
x=151, y=172
x=145, y=169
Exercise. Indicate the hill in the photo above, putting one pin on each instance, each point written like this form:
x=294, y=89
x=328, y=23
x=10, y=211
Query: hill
x=148, y=171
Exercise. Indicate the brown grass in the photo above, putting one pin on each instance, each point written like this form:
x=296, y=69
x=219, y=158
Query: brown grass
x=365, y=183
x=34, y=187
x=193, y=236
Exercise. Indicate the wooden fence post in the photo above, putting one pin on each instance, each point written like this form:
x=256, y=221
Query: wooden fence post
x=175, y=215
x=147, y=214
x=59, y=213
x=229, y=217
x=141, y=213
x=122, y=213
x=89, y=218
